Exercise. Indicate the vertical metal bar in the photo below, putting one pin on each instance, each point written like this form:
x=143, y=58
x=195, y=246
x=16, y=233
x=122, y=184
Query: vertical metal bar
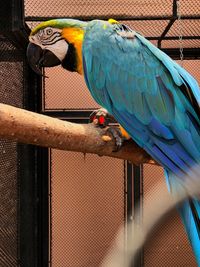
x=137, y=193
x=43, y=207
x=134, y=201
x=168, y=27
x=129, y=192
x=33, y=187
x=33, y=214
x=171, y=22
x=27, y=160
x=137, y=207
x=174, y=8
x=50, y=208
x=133, y=192
x=27, y=206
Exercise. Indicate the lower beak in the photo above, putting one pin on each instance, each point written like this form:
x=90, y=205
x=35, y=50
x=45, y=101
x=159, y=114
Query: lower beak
x=38, y=57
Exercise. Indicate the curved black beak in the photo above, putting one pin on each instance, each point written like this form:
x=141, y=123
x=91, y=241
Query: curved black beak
x=38, y=57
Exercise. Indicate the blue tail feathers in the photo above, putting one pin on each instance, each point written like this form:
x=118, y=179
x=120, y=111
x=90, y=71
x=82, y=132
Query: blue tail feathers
x=189, y=210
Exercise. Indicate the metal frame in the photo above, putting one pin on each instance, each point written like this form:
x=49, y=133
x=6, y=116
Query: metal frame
x=134, y=192
x=171, y=22
x=133, y=174
x=34, y=162
x=117, y=17
x=14, y=28
x=189, y=53
x=32, y=173
x=33, y=216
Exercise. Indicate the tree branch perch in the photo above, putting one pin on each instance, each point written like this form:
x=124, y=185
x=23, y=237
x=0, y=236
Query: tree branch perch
x=31, y=128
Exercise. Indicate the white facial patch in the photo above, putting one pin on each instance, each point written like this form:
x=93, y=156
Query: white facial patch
x=51, y=39
x=59, y=49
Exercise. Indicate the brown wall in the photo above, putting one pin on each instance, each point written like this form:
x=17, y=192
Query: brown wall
x=87, y=207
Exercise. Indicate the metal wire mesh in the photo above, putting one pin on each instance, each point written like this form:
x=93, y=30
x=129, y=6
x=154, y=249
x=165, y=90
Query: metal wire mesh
x=190, y=27
x=87, y=207
x=192, y=66
x=97, y=7
x=8, y=207
x=11, y=92
x=190, y=7
x=142, y=11
x=192, y=43
x=146, y=28
x=66, y=90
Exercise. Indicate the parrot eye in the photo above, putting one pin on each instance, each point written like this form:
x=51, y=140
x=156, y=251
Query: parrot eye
x=49, y=31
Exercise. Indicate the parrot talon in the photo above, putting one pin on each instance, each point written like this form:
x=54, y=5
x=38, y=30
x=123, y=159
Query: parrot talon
x=117, y=136
x=101, y=118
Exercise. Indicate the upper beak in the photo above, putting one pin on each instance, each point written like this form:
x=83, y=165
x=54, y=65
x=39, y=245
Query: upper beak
x=38, y=57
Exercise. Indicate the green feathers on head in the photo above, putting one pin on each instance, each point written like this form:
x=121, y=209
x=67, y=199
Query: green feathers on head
x=59, y=23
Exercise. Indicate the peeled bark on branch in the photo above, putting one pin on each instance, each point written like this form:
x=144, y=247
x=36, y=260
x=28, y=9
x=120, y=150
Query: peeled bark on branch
x=31, y=128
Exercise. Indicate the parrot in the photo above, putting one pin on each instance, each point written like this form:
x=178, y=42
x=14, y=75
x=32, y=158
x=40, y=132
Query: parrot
x=154, y=99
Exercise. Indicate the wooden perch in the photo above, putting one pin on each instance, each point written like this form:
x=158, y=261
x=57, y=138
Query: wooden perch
x=31, y=128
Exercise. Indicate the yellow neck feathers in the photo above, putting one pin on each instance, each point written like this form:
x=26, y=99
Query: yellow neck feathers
x=75, y=37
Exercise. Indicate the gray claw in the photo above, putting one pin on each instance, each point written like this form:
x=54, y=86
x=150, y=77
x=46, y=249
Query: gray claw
x=116, y=133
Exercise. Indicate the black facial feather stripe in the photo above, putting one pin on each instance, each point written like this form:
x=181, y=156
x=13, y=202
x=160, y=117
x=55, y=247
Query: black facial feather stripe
x=53, y=35
x=50, y=38
x=52, y=42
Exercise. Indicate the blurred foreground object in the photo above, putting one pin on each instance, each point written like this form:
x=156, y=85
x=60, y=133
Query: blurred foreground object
x=157, y=211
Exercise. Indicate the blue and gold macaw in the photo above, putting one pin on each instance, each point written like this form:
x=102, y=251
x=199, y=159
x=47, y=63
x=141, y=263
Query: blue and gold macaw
x=154, y=99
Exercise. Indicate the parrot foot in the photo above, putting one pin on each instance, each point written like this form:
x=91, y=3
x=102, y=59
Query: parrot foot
x=101, y=118
x=115, y=132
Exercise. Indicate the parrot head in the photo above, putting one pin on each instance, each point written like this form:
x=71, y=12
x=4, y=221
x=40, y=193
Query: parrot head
x=56, y=42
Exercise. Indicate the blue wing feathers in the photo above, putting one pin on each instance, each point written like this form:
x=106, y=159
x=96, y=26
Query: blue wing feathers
x=153, y=98
x=180, y=151
x=167, y=62
x=191, y=82
x=141, y=81
x=101, y=79
x=140, y=107
x=168, y=150
x=136, y=127
x=185, y=139
x=179, y=74
x=160, y=129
